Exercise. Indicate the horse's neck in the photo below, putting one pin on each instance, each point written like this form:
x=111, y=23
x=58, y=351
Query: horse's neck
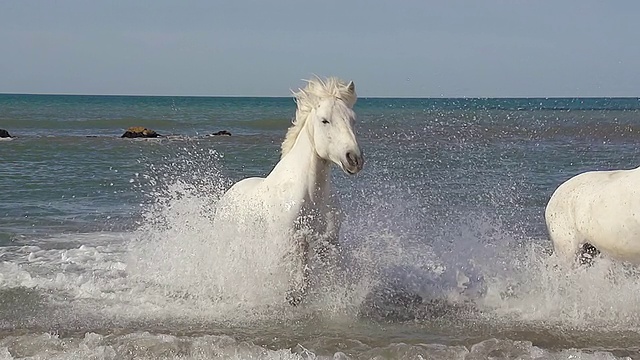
x=312, y=173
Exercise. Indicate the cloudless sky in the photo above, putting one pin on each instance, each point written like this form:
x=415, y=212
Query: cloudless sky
x=488, y=48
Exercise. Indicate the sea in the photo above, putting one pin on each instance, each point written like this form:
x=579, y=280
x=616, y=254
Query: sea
x=108, y=250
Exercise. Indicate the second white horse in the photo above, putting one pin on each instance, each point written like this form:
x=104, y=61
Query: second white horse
x=599, y=209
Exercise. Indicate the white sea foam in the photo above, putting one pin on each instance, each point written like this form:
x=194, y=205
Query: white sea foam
x=535, y=287
x=143, y=345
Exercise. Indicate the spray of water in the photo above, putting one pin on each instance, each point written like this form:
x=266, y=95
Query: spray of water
x=386, y=242
x=179, y=253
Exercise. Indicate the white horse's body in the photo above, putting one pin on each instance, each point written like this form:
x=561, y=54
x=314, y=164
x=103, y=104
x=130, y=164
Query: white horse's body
x=601, y=208
x=294, y=202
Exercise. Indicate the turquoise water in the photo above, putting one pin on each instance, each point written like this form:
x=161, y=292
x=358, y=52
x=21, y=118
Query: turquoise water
x=94, y=229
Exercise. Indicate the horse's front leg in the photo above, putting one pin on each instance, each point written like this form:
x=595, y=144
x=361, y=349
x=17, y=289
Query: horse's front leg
x=299, y=281
x=328, y=249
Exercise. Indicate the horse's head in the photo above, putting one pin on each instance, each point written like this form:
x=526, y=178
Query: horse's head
x=333, y=129
x=325, y=110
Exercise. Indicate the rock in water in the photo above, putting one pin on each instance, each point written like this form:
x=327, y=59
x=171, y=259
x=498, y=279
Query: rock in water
x=4, y=133
x=390, y=302
x=221, y=133
x=393, y=302
x=139, y=131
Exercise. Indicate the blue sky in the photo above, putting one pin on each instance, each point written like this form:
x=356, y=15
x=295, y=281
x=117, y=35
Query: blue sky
x=263, y=48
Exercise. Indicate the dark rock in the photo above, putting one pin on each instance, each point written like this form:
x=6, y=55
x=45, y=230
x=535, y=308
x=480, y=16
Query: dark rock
x=139, y=131
x=391, y=303
x=221, y=133
x=4, y=133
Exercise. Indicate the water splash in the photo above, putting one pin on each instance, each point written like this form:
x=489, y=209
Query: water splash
x=180, y=253
x=386, y=243
x=537, y=288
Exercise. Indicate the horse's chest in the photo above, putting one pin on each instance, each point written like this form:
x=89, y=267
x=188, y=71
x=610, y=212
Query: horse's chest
x=289, y=206
x=308, y=217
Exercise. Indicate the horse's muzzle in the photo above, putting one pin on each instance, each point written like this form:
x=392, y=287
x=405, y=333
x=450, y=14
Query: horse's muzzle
x=353, y=164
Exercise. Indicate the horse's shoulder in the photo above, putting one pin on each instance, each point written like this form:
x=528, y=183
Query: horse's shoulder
x=596, y=189
x=590, y=179
x=251, y=181
x=611, y=180
x=244, y=186
x=575, y=183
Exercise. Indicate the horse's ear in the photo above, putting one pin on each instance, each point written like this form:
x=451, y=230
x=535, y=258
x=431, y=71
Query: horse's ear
x=351, y=87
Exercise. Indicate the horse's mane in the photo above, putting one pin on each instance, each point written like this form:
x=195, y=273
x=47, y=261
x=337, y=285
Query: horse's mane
x=307, y=98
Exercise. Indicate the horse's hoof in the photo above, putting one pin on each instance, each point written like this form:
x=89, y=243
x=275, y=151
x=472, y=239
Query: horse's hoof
x=587, y=254
x=294, y=297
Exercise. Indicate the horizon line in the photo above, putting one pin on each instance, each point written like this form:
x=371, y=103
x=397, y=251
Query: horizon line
x=360, y=97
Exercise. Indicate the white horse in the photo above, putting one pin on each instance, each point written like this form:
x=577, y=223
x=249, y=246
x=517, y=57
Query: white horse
x=295, y=200
x=598, y=209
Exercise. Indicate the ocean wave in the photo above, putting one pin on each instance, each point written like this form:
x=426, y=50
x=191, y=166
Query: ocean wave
x=145, y=345
x=119, y=124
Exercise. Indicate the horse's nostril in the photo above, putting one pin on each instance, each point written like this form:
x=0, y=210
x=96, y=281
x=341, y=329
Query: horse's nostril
x=353, y=161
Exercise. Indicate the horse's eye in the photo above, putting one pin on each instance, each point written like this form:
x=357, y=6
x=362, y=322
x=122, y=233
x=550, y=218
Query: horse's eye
x=325, y=121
